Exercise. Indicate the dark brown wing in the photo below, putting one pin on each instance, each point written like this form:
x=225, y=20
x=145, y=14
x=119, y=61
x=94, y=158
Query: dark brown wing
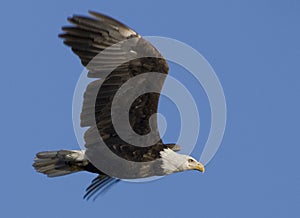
x=99, y=186
x=125, y=55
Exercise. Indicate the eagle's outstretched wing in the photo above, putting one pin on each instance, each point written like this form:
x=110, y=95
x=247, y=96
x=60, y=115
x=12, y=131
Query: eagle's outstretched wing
x=125, y=55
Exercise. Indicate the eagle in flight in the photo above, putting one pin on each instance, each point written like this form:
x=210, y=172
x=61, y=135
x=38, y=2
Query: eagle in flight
x=117, y=64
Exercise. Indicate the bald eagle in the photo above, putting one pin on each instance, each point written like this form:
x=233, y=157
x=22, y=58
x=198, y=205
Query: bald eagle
x=88, y=36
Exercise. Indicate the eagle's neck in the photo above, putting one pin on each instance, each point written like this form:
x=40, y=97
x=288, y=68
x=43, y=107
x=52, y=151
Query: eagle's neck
x=172, y=162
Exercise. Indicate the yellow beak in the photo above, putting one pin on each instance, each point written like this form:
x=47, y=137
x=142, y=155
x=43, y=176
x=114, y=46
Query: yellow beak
x=200, y=167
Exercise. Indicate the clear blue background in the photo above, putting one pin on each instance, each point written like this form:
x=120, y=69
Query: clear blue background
x=254, y=47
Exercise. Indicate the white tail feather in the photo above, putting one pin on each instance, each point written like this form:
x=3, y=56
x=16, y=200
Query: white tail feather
x=59, y=163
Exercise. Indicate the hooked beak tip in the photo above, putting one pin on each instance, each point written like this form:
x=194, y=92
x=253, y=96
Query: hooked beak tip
x=201, y=168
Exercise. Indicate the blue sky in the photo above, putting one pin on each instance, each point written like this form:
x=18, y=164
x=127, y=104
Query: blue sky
x=254, y=48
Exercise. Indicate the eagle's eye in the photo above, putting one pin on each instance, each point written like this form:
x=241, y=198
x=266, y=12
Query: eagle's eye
x=191, y=161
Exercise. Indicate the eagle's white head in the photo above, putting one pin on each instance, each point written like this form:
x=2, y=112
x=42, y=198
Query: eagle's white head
x=173, y=162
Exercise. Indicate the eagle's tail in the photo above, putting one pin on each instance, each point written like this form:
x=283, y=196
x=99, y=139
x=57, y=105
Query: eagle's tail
x=59, y=163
